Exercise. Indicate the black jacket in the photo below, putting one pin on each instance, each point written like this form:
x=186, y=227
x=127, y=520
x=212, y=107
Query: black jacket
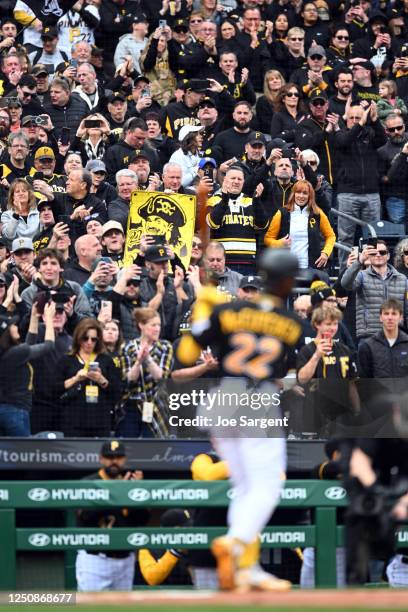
x=312, y=135
x=118, y=210
x=69, y=116
x=393, y=165
x=358, y=172
x=65, y=205
x=118, y=156
x=76, y=273
x=377, y=359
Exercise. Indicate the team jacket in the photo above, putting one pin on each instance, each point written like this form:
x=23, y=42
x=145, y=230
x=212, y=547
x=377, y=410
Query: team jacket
x=246, y=329
x=319, y=225
x=300, y=78
x=234, y=223
x=175, y=115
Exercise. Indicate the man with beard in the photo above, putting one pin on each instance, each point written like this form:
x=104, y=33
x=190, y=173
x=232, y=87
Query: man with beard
x=113, y=570
x=344, y=84
x=140, y=165
x=230, y=143
x=394, y=191
x=45, y=162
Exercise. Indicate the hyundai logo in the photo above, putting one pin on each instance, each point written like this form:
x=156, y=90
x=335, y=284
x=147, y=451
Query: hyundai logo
x=231, y=493
x=39, y=539
x=138, y=539
x=335, y=493
x=139, y=495
x=39, y=494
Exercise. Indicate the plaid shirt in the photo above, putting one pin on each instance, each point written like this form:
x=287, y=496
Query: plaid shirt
x=145, y=388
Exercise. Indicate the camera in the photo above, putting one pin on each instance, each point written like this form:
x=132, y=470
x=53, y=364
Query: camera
x=404, y=51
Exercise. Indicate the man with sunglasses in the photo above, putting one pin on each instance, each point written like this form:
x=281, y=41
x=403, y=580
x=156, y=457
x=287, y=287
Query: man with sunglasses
x=317, y=132
x=373, y=285
x=26, y=93
x=394, y=191
x=315, y=73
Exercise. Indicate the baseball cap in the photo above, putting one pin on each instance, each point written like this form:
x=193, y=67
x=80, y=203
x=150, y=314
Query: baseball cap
x=113, y=448
x=140, y=18
x=156, y=254
x=96, y=51
x=319, y=291
x=19, y=244
x=95, y=165
x=138, y=154
x=188, y=129
x=44, y=153
x=318, y=94
x=27, y=120
x=139, y=78
x=115, y=96
x=49, y=32
x=316, y=50
x=43, y=204
x=251, y=281
x=205, y=161
x=207, y=101
x=39, y=69
x=110, y=225
x=257, y=138
x=180, y=25
x=365, y=64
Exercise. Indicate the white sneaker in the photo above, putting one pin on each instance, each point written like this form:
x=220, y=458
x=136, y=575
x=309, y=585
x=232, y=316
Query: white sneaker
x=256, y=579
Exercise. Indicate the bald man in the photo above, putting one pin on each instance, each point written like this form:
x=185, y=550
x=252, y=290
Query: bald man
x=87, y=249
x=302, y=306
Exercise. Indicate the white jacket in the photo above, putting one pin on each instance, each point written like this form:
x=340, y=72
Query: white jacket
x=188, y=163
x=128, y=45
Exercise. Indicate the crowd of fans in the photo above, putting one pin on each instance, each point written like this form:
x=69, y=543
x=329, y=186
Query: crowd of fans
x=277, y=113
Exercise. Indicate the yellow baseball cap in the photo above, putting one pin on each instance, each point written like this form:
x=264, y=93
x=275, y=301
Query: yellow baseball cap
x=44, y=152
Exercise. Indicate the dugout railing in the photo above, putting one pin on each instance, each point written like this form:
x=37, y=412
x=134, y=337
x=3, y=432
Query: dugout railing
x=324, y=497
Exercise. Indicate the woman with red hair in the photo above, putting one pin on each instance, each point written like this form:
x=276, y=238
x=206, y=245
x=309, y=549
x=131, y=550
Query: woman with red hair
x=303, y=227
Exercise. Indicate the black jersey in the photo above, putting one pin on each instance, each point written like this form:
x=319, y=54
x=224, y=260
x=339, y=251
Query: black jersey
x=251, y=340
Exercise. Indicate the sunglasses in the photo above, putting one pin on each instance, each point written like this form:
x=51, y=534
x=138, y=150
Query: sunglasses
x=93, y=339
x=293, y=94
x=133, y=282
x=342, y=37
x=316, y=57
x=397, y=128
x=318, y=102
x=382, y=253
x=28, y=94
x=197, y=245
x=297, y=39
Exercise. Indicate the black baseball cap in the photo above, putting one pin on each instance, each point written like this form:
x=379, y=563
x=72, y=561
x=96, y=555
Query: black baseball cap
x=318, y=94
x=156, y=254
x=181, y=25
x=257, y=138
x=207, y=101
x=49, y=32
x=113, y=448
x=115, y=96
x=251, y=281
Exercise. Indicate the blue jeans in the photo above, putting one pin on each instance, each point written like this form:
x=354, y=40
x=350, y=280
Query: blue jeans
x=14, y=421
x=395, y=209
x=132, y=425
x=364, y=206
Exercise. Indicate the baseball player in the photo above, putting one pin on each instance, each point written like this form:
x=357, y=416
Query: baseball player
x=254, y=342
x=110, y=570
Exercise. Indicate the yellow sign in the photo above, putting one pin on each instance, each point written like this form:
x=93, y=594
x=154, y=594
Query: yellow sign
x=161, y=214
